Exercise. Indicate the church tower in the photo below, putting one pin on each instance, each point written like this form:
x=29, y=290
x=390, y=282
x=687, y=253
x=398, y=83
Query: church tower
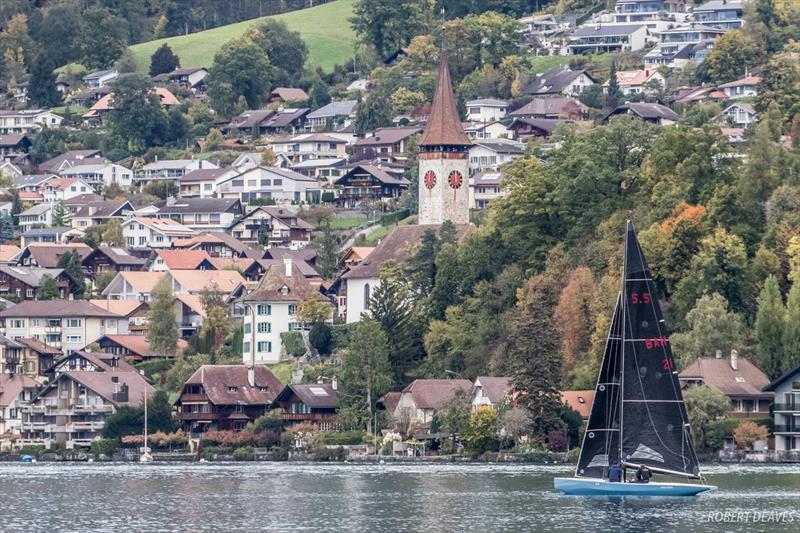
x=444, y=158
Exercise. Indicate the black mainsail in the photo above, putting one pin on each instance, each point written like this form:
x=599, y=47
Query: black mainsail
x=638, y=415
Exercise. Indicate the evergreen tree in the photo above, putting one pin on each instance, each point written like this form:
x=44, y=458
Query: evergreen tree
x=73, y=266
x=447, y=285
x=6, y=228
x=422, y=265
x=769, y=329
x=391, y=308
x=16, y=206
x=163, y=60
x=42, y=88
x=48, y=288
x=612, y=99
x=533, y=352
x=163, y=329
x=366, y=374
x=59, y=214
x=137, y=121
x=321, y=338
x=791, y=331
x=103, y=37
x=177, y=125
x=327, y=252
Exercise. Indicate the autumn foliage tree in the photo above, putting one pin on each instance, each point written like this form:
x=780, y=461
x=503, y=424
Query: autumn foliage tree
x=748, y=433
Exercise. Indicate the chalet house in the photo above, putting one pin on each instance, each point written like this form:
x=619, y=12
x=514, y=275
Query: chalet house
x=170, y=169
x=8, y=253
x=260, y=122
x=201, y=213
x=226, y=397
x=46, y=255
x=190, y=78
x=735, y=377
x=11, y=169
x=132, y=285
x=329, y=116
x=489, y=392
x=579, y=401
x=101, y=175
x=286, y=95
x=68, y=325
x=487, y=130
x=486, y=110
x=273, y=226
x=525, y=128
x=601, y=38
x=271, y=309
x=133, y=347
x=490, y=155
x=742, y=88
x=421, y=400
x=134, y=310
x=10, y=356
x=485, y=187
x=72, y=409
x=14, y=147
x=63, y=189
x=309, y=146
x=722, y=14
x=38, y=216
x=653, y=113
x=106, y=258
x=270, y=183
x=154, y=232
x=369, y=183
x=27, y=121
x=202, y=183
x=303, y=258
x=100, y=78
x=216, y=244
x=36, y=358
x=24, y=282
x=71, y=159
x=681, y=45
x=94, y=213
x=15, y=391
x=229, y=283
x=786, y=410
x=645, y=81
x=740, y=115
x=363, y=278
x=313, y=403
x=324, y=168
x=560, y=82
x=385, y=144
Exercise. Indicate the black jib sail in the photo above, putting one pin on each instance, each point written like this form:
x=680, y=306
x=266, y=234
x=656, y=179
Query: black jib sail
x=638, y=395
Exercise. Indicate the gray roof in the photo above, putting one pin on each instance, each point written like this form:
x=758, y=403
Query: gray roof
x=719, y=5
x=694, y=27
x=504, y=147
x=198, y=205
x=606, y=30
x=492, y=102
x=645, y=111
x=30, y=276
x=45, y=231
x=335, y=109
x=98, y=74
x=30, y=179
x=320, y=162
x=553, y=81
x=289, y=174
x=203, y=174
x=38, y=209
x=168, y=163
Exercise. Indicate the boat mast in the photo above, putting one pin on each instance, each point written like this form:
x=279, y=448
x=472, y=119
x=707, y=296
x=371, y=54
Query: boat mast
x=145, y=422
x=624, y=317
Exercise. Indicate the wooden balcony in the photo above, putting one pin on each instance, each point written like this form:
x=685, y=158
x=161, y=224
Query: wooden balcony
x=309, y=417
x=198, y=416
x=193, y=398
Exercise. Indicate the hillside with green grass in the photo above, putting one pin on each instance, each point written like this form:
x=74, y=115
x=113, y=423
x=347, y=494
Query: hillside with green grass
x=325, y=30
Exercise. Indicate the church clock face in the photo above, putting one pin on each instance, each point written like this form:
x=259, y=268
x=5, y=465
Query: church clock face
x=430, y=179
x=455, y=179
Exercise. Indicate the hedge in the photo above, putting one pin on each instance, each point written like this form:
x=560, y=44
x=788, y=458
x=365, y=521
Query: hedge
x=341, y=438
x=394, y=217
x=293, y=342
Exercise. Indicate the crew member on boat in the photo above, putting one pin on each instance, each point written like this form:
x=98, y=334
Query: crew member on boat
x=615, y=473
x=643, y=474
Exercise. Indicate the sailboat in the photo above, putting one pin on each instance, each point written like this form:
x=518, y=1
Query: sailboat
x=145, y=457
x=638, y=416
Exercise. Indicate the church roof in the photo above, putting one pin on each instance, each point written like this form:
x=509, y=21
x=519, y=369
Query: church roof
x=444, y=124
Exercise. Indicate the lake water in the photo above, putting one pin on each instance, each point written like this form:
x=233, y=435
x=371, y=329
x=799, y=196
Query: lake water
x=347, y=497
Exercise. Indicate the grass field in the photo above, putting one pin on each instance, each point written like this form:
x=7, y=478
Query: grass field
x=341, y=223
x=283, y=371
x=325, y=30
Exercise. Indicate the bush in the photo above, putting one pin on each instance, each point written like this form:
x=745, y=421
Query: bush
x=104, y=446
x=748, y=433
x=31, y=450
x=293, y=342
x=321, y=338
x=244, y=453
x=154, y=367
x=321, y=453
x=340, y=336
x=210, y=451
x=342, y=438
x=393, y=218
x=716, y=432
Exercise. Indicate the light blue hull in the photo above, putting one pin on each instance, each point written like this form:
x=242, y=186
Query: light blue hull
x=600, y=487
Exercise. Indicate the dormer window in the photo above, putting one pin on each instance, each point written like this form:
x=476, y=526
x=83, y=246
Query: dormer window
x=232, y=388
x=284, y=290
x=262, y=388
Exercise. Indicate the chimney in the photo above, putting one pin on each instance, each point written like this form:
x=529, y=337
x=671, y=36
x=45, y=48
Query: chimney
x=334, y=383
x=287, y=264
x=156, y=158
x=251, y=376
x=200, y=164
x=734, y=359
x=719, y=354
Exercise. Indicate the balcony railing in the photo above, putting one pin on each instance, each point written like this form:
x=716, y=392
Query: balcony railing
x=786, y=407
x=314, y=417
x=790, y=428
x=198, y=416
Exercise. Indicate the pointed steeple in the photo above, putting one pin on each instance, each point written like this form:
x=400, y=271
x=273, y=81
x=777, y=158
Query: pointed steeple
x=444, y=124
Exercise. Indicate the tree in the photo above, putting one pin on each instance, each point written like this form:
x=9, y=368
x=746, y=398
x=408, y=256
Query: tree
x=137, y=121
x=374, y=111
x=42, y=87
x=388, y=25
x=366, y=374
x=764, y=169
x=163, y=331
x=533, y=353
x=6, y=228
x=453, y=416
x=217, y=325
x=240, y=68
x=480, y=433
x=163, y=60
x=780, y=79
x=572, y=317
x=747, y=433
x=214, y=140
x=177, y=125
x=321, y=338
x=732, y=55
x=129, y=420
x=712, y=327
x=791, y=330
x=769, y=328
x=16, y=206
x=73, y=267
x=517, y=422
x=103, y=38
x=59, y=33
x=313, y=309
x=59, y=215
x=327, y=251
x=48, y=289
x=286, y=50
x=268, y=158
x=703, y=406
x=613, y=87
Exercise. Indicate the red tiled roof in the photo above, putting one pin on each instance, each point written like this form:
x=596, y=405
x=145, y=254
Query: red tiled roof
x=579, y=400
x=219, y=380
x=435, y=393
x=183, y=259
x=444, y=124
